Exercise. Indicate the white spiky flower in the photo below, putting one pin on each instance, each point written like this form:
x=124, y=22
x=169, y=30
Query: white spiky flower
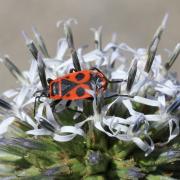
x=146, y=101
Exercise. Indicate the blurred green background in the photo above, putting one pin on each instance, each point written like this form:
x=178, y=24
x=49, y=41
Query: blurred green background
x=135, y=21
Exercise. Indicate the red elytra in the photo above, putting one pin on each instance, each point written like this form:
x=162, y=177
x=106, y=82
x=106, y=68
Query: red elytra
x=73, y=86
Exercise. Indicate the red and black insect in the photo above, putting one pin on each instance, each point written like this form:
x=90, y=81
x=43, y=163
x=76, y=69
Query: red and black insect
x=72, y=86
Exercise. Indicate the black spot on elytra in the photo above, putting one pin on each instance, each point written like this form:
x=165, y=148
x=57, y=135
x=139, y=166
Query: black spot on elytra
x=80, y=91
x=79, y=76
x=66, y=86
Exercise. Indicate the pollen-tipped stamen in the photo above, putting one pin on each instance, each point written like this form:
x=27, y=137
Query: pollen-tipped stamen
x=174, y=106
x=30, y=45
x=41, y=71
x=131, y=76
x=40, y=42
x=4, y=104
x=13, y=69
x=173, y=57
x=98, y=37
x=154, y=45
x=69, y=38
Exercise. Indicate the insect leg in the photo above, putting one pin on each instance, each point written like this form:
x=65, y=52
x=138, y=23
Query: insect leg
x=73, y=110
x=117, y=81
x=35, y=103
x=94, y=68
x=70, y=109
x=72, y=70
x=109, y=81
x=36, y=92
x=54, y=103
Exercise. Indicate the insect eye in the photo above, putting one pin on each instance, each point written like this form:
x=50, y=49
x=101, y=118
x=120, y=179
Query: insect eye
x=49, y=80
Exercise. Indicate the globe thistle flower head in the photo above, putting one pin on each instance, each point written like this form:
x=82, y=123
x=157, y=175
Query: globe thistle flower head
x=129, y=127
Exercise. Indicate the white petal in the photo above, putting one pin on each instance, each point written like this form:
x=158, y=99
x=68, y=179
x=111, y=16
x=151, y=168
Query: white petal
x=64, y=138
x=39, y=132
x=116, y=125
x=24, y=117
x=128, y=105
x=140, y=83
x=23, y=94
x=109, y=46
x=156, y=66
x=50, y=116
x=107, y=107
x=162, y=100
x=153, y=117
x=173, y=131
x=61, y=49
x=125, y=47
x=5, y=124
x=108, y=120
x=30, y=101
x=40, y=110
x=146, y=101
x=80, y=124
x=148, y=148
x=72, y=129
x=33, y=72
x=167, y=88
x=98, y=125
x=119, y=73
x=10, y=93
